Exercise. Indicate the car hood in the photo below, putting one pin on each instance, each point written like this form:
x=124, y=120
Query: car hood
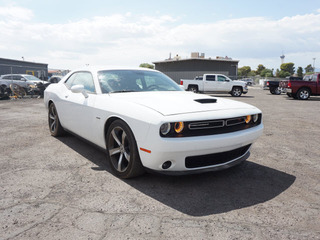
x=173, y=103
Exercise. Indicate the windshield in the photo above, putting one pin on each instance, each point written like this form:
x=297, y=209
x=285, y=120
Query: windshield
x=135, y=81
x=31, y=78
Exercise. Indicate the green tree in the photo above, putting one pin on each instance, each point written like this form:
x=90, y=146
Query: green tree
x=260, y=68
x=309, y=68
x=252, y=73
x=244, y=71
x=266, y=73
x=283, y=74
x=277, y=72
x=300, y=72
x=146, y=65
x=288, y=67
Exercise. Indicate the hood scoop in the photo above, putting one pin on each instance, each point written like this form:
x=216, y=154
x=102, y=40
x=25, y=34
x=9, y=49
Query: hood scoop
x=206, y=100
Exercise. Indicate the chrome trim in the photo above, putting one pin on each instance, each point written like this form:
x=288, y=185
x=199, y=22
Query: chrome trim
x=206, y=125
x=237, y=123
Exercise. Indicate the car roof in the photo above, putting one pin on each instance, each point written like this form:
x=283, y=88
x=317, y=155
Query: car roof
x=105, y=68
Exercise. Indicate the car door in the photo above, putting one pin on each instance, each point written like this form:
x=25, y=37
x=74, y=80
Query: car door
x=224, y=84
x=210, y=83
x=76, y=110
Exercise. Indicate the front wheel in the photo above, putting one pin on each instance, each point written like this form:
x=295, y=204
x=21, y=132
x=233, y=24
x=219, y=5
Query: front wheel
x=122, y=152
x=303, y=94
x=55, y=127
x=236, y=91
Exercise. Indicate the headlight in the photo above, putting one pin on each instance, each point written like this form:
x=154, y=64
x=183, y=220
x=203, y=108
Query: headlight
x=165, y=128
x=255, y=118
x=31, y=86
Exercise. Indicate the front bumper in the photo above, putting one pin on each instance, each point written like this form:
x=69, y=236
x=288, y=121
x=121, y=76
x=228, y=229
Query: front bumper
x=177, y=150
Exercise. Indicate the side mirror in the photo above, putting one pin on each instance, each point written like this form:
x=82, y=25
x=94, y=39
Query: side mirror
x=79, y=89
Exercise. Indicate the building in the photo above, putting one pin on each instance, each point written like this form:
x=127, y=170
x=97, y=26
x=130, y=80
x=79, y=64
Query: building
x=9, y=66
x=177, y=68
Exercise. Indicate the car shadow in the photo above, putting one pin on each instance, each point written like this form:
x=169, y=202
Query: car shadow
x=203, y=194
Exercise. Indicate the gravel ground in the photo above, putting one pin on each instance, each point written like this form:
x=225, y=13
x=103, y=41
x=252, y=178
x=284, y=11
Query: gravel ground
x=61, y=188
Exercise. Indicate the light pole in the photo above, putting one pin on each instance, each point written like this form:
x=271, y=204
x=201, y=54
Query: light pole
x=314, y=60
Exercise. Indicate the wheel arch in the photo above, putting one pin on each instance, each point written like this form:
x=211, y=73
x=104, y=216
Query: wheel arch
x=305, y=87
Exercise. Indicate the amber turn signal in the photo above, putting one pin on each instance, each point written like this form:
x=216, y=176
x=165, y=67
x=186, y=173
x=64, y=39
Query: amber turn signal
x=178, y=127
x=248, y=119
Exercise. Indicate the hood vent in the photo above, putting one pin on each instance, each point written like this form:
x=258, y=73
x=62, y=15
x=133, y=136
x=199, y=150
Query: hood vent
x=206, y=100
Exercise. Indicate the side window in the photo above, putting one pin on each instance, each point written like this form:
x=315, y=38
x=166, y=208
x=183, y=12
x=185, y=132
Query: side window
x=17, y=77
x=210, y=77
x=221, y=79
x=314, y=77
x=81, y=78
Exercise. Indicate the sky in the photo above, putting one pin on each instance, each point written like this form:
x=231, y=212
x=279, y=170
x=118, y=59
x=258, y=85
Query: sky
x=70, y=34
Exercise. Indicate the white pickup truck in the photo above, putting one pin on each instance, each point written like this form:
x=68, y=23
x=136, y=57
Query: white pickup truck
x=216, y=83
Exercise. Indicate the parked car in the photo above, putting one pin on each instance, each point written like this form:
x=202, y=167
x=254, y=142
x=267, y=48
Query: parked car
x=215, y=83
x=22, y=80
x=55, y=79
x=303, y=89
x=249, y=81
x=144, y=120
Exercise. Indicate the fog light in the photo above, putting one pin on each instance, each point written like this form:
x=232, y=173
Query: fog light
x=166, y=165
x=255, y=118
x=248, y=119
x=178, y=127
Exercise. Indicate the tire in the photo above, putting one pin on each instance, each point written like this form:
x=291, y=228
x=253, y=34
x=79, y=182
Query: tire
x=122, y=152
x=55, y=127
x=236, y=91
x=272, y=90
x=303, y=94
x=277, y=91
x=193, y=89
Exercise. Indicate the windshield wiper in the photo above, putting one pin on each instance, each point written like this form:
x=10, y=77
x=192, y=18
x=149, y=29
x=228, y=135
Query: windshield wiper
x=122, y=91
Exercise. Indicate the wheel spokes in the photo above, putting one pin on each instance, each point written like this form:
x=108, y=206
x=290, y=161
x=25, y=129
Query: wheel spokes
x=119, y=149
x=115, y=137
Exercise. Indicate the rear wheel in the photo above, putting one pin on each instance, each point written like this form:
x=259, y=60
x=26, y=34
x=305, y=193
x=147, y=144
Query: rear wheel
x=193, y=89
x=277, y=91
x=122, y=152
x=55, y=127
x=303, y=94
x=236, y=91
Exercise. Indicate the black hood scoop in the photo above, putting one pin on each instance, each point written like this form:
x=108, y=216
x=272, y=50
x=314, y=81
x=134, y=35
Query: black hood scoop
x=206, y=100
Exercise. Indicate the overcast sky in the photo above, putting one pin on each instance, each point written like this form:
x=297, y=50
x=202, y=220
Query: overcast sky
x=70, y=34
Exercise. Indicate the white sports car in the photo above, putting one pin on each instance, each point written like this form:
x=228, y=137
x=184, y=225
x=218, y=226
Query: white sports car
x=145, y=121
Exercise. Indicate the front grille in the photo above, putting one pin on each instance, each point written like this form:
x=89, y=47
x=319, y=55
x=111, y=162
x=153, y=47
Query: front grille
x=213, y=126
x=215, y=158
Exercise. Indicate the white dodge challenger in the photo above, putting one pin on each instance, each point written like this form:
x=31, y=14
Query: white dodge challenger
x=145, y=121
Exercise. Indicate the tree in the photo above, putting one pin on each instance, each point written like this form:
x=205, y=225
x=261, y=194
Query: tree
x=309, y=68
x=146, y=65
x=244, y=71
x=266, y=73
x=288, y=67
x=277, y=72
x=283, y=74
x=260, y=68
x=252, y=73
x=300, y=72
